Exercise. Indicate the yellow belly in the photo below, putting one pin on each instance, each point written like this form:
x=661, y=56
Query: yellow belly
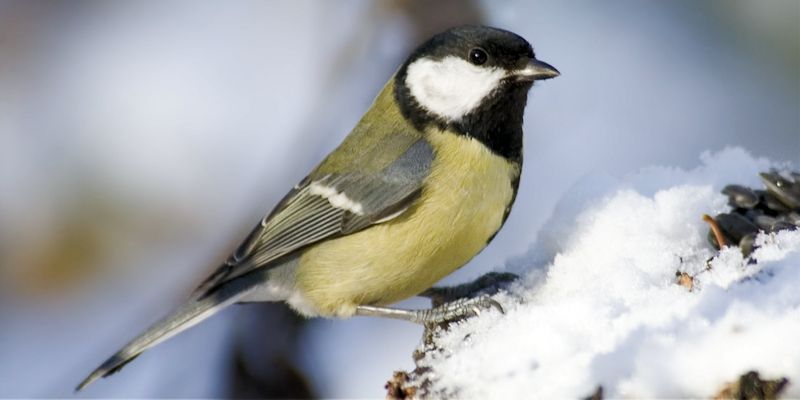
x=461, y=207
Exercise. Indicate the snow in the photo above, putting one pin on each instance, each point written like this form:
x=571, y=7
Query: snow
x=598, y=302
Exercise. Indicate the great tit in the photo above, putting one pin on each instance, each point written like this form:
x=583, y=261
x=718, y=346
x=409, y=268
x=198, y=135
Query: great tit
x=421, y=185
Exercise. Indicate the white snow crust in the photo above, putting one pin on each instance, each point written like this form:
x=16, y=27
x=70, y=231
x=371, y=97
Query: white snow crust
x=598, y=302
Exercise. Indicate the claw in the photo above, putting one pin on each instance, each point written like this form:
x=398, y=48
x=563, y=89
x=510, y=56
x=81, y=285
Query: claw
x=457, y=310
x=499, y=307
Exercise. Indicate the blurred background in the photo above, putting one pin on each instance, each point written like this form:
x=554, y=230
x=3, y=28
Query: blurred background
x=140, y=141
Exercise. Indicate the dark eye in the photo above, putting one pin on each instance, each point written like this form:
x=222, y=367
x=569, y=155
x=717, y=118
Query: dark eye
x=478, y=56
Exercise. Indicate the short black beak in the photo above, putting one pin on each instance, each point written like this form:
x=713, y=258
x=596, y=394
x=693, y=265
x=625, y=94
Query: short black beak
x=536, y=70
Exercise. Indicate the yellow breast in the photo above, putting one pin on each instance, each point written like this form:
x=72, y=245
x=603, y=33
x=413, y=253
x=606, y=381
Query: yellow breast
x=461, y=207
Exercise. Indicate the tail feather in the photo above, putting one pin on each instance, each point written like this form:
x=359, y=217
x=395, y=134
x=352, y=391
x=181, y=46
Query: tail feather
x=189, y=314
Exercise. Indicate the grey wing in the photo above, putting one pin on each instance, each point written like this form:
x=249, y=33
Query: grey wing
x=328, y=206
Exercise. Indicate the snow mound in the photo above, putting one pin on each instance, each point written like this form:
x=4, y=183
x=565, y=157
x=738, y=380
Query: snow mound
x=599, y=303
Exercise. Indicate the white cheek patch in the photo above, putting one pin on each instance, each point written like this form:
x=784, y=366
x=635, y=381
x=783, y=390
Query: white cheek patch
x=450, y=87
x=338, y=200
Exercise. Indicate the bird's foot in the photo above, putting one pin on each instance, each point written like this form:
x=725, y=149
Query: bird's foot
x=489, y=284
x=445, y=313
x=457, y=310
x=450, y=304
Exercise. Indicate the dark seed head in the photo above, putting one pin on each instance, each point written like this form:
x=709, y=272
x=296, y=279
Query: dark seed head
x=747, y=244
x=781, y=226
x=782, y=189
x=763, y=222
x=740, y=196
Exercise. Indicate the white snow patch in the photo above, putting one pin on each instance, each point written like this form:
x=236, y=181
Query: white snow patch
x=602, y=307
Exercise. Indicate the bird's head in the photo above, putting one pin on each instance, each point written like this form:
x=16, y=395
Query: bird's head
x=456, y=72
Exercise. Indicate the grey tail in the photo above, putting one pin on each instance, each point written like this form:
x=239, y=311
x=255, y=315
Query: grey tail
x=187, y=315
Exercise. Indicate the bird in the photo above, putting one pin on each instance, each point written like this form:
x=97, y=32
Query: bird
x=421, y=185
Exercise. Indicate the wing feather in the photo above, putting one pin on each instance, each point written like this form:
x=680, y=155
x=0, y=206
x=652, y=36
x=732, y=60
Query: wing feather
x=339, y=204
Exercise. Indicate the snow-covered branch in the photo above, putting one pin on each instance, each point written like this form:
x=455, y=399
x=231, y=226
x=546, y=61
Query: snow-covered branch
x=623, y=296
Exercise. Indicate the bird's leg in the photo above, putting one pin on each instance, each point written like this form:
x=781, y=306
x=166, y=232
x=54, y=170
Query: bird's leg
x=447, y=312
x=449, y=303
x=488, y=283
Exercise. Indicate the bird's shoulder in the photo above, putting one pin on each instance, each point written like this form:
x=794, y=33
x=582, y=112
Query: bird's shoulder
x=380, y=137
